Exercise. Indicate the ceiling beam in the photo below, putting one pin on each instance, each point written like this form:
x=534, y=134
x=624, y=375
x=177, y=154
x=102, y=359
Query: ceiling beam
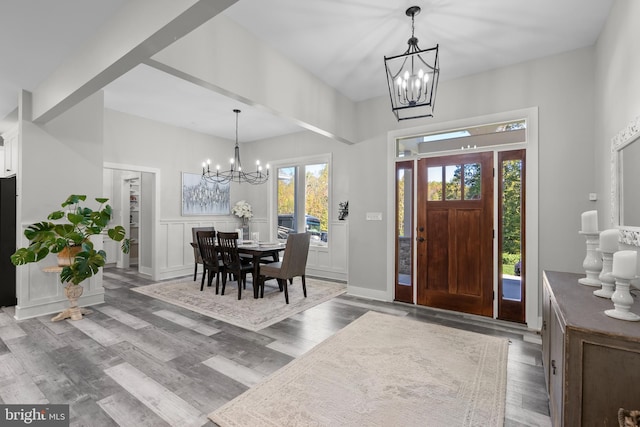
x=140, y=30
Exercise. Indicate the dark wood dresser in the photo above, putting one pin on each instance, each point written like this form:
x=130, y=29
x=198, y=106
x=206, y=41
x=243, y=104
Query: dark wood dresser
x=591, y=361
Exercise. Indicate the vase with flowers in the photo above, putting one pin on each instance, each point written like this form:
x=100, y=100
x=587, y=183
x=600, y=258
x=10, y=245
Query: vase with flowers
x=242, y=210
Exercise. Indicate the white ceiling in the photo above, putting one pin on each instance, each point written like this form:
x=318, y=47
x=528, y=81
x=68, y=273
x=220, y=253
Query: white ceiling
x=343, y=42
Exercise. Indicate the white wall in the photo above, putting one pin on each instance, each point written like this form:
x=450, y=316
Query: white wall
x=331, y=261
x=244, y=67
x=132, y=140
x=136, y=141
x=584, y=98
x=60, y=158
x=561, y=87
x=617, y=96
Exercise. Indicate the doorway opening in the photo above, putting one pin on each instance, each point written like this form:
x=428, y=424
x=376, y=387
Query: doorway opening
x=134, y=194
x=511, y=139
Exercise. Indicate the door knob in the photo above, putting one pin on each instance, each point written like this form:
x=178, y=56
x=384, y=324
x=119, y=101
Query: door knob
x=420, y=239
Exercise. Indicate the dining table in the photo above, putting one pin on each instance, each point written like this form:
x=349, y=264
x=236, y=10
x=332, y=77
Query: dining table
x=260, y=252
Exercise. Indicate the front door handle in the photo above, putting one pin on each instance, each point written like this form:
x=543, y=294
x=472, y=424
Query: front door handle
x=420, y=239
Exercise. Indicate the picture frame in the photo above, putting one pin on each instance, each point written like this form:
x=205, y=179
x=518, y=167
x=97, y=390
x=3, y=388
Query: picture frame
x=203, y=197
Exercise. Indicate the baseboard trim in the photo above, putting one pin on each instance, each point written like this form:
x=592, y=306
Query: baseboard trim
x=36, y=310
x=368, y=293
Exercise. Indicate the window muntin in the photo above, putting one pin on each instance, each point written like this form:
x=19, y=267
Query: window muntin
x=302, y=202
x=460, y=182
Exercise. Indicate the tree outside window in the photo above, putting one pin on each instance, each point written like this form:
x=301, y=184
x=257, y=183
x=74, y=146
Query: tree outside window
x=303, y=192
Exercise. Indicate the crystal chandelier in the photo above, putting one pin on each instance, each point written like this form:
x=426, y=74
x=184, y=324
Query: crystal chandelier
x=413, y=77
x=235, y=172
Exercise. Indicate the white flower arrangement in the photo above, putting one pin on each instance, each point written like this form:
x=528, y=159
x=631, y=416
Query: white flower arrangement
x=242, y=209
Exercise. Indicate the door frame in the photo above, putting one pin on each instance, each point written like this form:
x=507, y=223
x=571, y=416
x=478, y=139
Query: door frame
x=533, y=316
x=155, y=213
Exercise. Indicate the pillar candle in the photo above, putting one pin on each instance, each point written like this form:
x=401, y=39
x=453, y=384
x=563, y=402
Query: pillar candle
x=590, y=221
x=240, y=237
x=609, y=240
x=625, y=264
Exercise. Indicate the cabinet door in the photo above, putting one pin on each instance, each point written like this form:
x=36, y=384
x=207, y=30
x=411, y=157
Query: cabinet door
x=556, y=368
x=546, y=318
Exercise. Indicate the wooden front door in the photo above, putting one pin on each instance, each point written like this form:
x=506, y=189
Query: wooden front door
x=455, y=233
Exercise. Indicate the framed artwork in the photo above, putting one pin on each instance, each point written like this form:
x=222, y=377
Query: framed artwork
x=202, y=197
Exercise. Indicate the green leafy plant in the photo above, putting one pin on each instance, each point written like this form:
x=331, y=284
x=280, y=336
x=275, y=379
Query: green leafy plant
x=81, y=223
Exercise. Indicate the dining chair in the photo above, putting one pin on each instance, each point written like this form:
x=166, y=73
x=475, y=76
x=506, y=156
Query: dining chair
x=293, y=264
x=210, y=259
x=196, y=252
x=228, y=246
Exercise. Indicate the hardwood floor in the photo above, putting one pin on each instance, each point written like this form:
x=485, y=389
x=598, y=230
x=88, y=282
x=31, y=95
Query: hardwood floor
x=138, y=361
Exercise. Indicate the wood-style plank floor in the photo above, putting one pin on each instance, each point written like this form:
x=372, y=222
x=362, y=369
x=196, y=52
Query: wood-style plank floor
x=138, y=361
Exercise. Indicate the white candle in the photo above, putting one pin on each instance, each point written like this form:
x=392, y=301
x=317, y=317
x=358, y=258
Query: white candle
x=625, y=264
x=590, y=221
x=609, y=240
x=240, y=237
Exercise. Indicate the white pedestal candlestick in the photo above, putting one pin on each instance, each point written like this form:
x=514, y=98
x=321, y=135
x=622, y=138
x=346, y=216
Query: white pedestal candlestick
x=622, y=301
x=606, y=276
x=592, y=263
x=625, y=264
x=624, y=269
x=609, y=240
x=590, y=221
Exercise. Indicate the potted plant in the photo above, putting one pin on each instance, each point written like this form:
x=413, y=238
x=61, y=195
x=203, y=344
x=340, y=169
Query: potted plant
x=71, y=240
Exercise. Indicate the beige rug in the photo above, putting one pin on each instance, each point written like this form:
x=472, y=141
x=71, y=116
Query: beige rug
x=382, y=370
x=248, y=313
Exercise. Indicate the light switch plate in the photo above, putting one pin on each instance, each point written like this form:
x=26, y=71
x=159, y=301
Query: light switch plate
x=593, y=197
x=374, y=216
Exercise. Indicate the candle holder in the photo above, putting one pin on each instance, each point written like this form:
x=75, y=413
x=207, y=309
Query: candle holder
x=592, y=263
x=622, y=301
x=606, y=276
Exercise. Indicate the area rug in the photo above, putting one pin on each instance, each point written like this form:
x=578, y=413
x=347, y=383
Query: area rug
x=382, y=370
x=248, y=313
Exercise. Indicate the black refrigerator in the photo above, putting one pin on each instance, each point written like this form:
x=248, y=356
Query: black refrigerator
x=7, y=241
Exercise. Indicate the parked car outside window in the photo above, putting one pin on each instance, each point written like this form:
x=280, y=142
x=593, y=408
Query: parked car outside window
x=286, y=225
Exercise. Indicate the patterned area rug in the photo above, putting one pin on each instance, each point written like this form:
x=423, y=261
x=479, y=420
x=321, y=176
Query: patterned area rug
x=248, y=313
x=383, y=370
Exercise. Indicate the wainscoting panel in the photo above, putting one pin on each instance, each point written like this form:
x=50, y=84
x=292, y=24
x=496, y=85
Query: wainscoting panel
x=340, y=251
x=175, y=247
x=188, y=238
x=176, y=253
x=42, y=293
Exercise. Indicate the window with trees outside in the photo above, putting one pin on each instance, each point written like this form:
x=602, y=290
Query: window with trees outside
x=303, y=199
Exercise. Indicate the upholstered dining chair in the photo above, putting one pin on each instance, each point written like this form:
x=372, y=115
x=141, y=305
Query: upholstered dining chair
x=211, y=262
x=228, y=246
x=196, y=252
x=293, y=264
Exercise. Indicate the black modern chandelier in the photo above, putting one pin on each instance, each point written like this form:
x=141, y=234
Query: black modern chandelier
x=235, y=172
x=413, y=77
